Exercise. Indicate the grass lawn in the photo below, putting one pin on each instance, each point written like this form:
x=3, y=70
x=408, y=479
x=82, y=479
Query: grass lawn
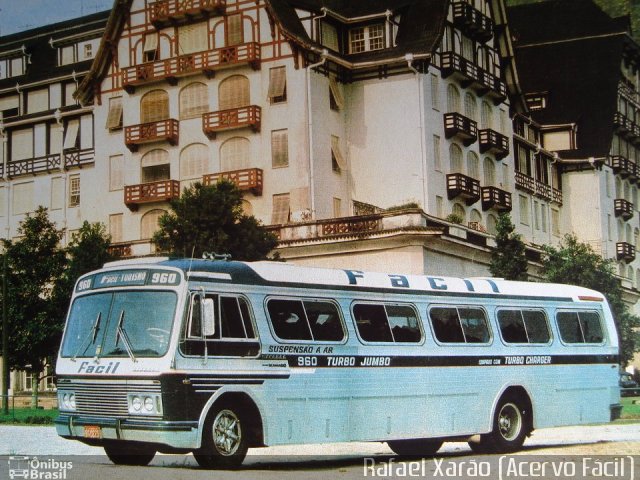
x=630, y=410
x=28, y=416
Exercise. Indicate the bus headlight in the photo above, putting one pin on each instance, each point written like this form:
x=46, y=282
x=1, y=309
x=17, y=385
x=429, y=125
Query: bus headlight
x=145, y=404
x=66, y=400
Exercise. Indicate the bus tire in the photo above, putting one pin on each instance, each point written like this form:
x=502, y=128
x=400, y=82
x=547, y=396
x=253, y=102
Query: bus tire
x=224, y=441
x=128, y=453
x=511, y=425
x=417, y=447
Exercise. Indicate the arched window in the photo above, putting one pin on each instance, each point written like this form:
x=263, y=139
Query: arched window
x=489, y=172
x=458, y=211
x=149, y=223
x=453, y=98
x=233, y=92
x=194, y=161
x=630, y=273
x=473, y=165
x=636, y=235
x=628, y=234
x=638, y=279
x=475, y=216
x=620, y=231
x=621, y=270
x=247, y=208
x=470, y=106
x=455, y=158
x=491, y=224
x=194, y=100
x=627, y=192
x=486, y=115
x=155, y=166
x=154, y=106
x=234, y=154
x=618, y=188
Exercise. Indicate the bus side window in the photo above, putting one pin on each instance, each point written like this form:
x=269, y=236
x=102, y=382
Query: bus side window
x=195, y=322
x=537, y=327
x=372, y=323
x=474, y=325
x=289, y=319
x=580, y=327
x=324, y=321
x=512, y=326
x=231, y=324
x=404, y=324
x=591, y=328
x=446, y=325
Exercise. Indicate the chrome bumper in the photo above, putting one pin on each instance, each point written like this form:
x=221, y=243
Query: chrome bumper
x=179, y=435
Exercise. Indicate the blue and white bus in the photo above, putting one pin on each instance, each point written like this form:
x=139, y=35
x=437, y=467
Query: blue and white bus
x=215, y=357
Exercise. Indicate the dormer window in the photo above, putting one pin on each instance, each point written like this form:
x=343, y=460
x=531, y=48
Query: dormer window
x=367, y=38
x=536, y=101
x=12, y=67
x=329, y=36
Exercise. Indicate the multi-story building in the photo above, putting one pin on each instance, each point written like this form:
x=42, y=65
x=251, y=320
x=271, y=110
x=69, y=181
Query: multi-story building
x=578, y=69
x=47, y=145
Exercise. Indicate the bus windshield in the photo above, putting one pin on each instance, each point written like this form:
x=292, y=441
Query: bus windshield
x=120, y=324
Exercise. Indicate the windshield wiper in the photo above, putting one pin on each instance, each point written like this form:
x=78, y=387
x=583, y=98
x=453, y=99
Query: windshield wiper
x=122, y=333
x=93, y=334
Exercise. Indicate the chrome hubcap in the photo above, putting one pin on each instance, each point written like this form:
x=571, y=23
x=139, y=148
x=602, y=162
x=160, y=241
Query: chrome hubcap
x=227, y=432
x=509, y=421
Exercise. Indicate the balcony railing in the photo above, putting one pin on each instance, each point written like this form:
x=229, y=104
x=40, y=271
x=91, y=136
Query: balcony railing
x=164, y=12
x=625, y=252
x=201, y=62
x=556, y=195
x=162, y=191
x=120, y=250
x=457, y=125
x=461, y=186
x=248, y=179
x=473, y=22
x=623, y=208
x=163, y=131
x=543, y=190
x=459, y=68
x=492, y=86
x=222, y=120
x=525, y=182
x=74, y=158
x=621, y=123
x=78, y=158
x=496, y=198
x=623, y=166
x=493, y=142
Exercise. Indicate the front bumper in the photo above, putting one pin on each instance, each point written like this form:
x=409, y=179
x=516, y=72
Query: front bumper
x=177, y=435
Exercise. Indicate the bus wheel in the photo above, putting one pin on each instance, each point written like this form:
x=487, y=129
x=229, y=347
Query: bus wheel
x=224, y=442
x=128, y=453
x=510, y=428
x=413, y=448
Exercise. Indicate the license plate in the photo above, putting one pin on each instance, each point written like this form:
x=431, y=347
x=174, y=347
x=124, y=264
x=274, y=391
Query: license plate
x=92, y=431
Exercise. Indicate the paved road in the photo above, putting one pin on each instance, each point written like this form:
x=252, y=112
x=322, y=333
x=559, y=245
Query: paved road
x=344, y=461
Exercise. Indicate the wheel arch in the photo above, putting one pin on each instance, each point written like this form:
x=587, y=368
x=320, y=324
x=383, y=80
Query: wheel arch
x=521, y=393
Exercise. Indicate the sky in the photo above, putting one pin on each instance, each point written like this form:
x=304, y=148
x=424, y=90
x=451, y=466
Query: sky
x=19, y=15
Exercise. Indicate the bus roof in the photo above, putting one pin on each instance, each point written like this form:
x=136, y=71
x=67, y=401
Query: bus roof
x=284, y=274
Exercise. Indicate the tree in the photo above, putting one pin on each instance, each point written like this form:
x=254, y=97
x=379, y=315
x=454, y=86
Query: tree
x=508, y=259
x=576, y=263
x=34, y=263
x=210, y=219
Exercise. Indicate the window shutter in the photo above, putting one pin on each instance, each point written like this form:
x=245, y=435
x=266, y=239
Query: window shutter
x=9, y=103
x=277, y=84
x=329, y=36
x=22, y=144
x=233, y=93
x=194, y=160
x=57, y=193
x=235, y=35
x=71, y=135
x=280, y=212
x=23, y=200
x=337, y=154
x=234, y=154
x=194, y=100
x=299, y=200
x=473, y=165
x=150, y=42
x=455, y=156
x=115, y=227
x=154, y=158
x=67, y=55
x=154, y=106
x=114, y=119
x=38, y=100
x=337, y=94
x=279, y=148
x=193, y=38
x=149, y=223
x=116, y=174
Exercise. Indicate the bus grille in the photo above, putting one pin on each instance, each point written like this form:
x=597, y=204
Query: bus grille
x=106, y=398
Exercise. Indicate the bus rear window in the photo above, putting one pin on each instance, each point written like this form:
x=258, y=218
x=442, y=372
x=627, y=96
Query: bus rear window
x=523, y=326
x=459, y=325
x=580, y=327
x=313, y=320
x=387, y=323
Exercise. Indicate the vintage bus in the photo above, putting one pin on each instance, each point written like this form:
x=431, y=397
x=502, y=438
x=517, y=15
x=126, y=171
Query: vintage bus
x=215, y=357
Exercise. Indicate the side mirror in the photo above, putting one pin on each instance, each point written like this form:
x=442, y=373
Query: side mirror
x=208, y=317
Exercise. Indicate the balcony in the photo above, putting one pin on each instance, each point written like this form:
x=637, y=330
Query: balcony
x=461, y=186
x=622, y=124
x=190, y=64
x=493, y=142
x=174, y=12
x=525, y=182
x=556, y=196
x=162, y=191
x=496, y=198
x=162, y=131
x=542, y=190
x=33, y=166
x=232, y=119
x=623, y=166
x=492, y=86
x=625, y=251
x=248, y=179
x=471, y=21
x=461, y=127
x=77, y=158
x=623, y=208
x=459, y=68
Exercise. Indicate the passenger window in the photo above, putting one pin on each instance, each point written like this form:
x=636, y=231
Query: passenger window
x=580, y=327
x=314, y=320
x=523, y=326
x=459, y=325
x=387, y=323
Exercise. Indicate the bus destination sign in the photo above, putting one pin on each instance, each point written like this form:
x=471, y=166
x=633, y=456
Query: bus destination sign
x=128, y=278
